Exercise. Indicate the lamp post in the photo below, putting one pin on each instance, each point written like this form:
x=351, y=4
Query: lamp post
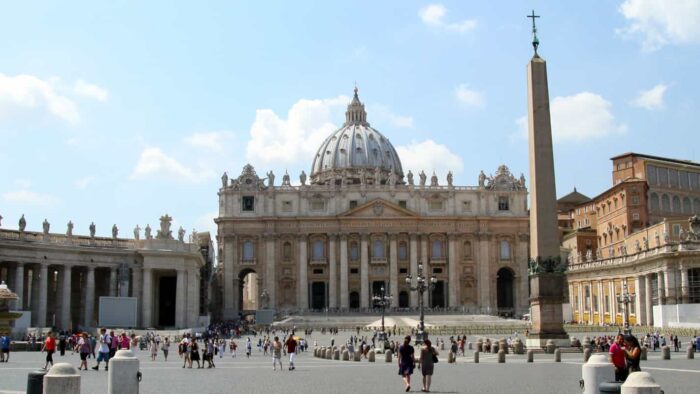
x=422, y=285
x=383, y=300
x=625, y=298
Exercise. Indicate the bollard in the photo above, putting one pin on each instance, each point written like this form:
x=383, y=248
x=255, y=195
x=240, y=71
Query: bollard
x=336, y=354
x=690, y=352
x=470, y=346
x=329, y=354
x=315, y=352
x=35, y=382
x=503, y=345
x=450, y=358
x=476, y=357
x=586, y=354
x=387, y=356
x=501, y=356
x=530, y=356
x=346, y=355
x=62, y=378
x=479, y=345
x=124, y=375
x=358, y=356
x=610, y=387
x=597, y=370
x=518, y=347
x=371, y=356
x=557, y=356
x=587, y=342
x=643, y=354
x=640, y=383
x=665, y=353
x=550, y=346
x=494, y=348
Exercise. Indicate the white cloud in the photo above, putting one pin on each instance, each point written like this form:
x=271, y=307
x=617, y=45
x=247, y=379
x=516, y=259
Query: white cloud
x=29, y=197
x=84, y=182
x=428, y=156
x=469, y=97
x=296, y=138
x=651, y=99
x=579, y=118
x=154, y=163
x=214, y=140
x=89, y=90
x=662, y=22
x=434, y=14
x=27, y=91
x=383, y=113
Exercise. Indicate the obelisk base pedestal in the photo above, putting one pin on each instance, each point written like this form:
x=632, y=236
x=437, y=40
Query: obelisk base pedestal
x=546, y=311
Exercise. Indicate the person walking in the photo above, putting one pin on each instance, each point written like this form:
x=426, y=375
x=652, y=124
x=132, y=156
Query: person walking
x=5, y=341
x=153, y=347
x=618, y=358
x=50, y=348
x=166, y=348
x=276, y=354
x=427, y=360
x=83, y=348
x=407, y=361
x=103, y=355
x=291, y=351
x=248, y=347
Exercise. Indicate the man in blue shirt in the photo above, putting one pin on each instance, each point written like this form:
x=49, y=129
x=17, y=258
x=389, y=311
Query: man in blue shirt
x=5, y=348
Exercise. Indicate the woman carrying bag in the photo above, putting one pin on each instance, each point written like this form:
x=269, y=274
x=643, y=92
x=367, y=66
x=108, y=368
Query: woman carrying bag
x=427, y=360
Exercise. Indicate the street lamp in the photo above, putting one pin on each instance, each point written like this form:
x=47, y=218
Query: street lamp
x=422, y=285
x=383, y=300
x=625, y=298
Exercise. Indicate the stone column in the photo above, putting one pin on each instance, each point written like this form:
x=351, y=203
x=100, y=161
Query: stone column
x=236, y=296
x=364, y=271
x=147, y=298
x=90, y=297
x=648, y=300
x=270, y=272
x=231, y=291
x=685, y=286
x=180, y=298
x=192, y=313
x=136, y=290
x=670, y=285
x=344, y=303
x=19, y=286
x=613, y=302
x=112, y=282
x=660, y=283
x=393, y=271
x=453, y=273
x=332, y=273
x=413, y=255
x=426, y=266
x=484, y=267
x=580, y=302
x=43, y=291
x=303, y=290
x=65, y=298
x=601, y=303
x=640, y=310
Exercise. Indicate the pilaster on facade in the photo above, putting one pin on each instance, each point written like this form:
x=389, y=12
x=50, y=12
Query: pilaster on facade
x=90, y=296
x=303, y=282
x=332, y=272
x=364, y=271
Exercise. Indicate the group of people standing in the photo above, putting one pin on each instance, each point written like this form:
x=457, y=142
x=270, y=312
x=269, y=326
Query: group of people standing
x=625, y=354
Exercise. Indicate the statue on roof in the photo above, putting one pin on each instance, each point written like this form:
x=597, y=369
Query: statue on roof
x=181, y=234
x=46, y=225
x=302, y=178
x=165, y=232
x=92, y=230
x=137, y=232
x=422, y=177
x=377, y=176
x=69, y=229
x=434, y=180
x=410, y=177
x=270, y=179
x=22, y=223
x=482, y=179
x=115, y=231
x=147, y=233
x=449, y=179
x=224, y=180
x=285, y=179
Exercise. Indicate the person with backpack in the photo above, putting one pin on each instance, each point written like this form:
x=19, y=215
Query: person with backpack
x=103, y=355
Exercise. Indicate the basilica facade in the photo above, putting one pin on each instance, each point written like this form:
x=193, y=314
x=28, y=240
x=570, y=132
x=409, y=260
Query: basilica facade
x=357, y=223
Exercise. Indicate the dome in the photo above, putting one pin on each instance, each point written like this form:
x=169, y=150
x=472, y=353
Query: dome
x=355, y=151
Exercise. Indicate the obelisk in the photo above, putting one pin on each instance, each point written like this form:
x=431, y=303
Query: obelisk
x=546, y=270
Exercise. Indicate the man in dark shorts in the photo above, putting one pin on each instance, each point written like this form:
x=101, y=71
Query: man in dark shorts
x=407, y=361
x=5, y=348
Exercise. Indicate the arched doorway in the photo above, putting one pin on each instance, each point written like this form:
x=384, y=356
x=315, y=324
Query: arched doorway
x=318, y=295
x=505, y=291
x=248, y=291
x=354, y=300
x=437, y=295
x=403, y=299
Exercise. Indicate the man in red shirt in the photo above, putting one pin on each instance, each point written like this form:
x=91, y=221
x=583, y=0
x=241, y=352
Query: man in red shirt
x=291, y=350
x=50, y=348
x=618, y=358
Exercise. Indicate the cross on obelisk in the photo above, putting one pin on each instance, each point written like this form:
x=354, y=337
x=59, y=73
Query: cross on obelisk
x=547, y=279
x=535, y=41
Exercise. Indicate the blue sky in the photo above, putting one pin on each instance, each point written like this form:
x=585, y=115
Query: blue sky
x=122, y=111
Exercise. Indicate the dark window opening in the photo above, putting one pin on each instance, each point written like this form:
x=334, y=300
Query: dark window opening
x=248, y=203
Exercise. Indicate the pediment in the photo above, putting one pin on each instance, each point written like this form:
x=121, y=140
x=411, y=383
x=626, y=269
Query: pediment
x=378, y=208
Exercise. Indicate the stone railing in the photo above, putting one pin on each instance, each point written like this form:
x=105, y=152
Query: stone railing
x=438, y=261
x=378, y=260
x=322, y=261
x=311, y=187
x=584, y=263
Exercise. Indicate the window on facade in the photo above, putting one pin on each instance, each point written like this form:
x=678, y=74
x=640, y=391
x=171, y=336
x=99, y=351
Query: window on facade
x=354, y=271
x=403, y=251
x=588, y=297
x=286, y=206
x=505, y=250
x=503, y=204
x=663, y=176
x=676, y=229
x=318, y=271
x=403, y=270
x=651, y=174
x=248, y=203
x=402, y=203
x=686, y=206
x=378, y=249
x=353, y=204
x=683, y=179
x=317, y=252
x=673, y=178
x=435, y=205
x=466, y=206
x=696, y=205
x=676, y=204
x=248, y=251
x=436, y=249
x=467, y=248
x=437, y=270
x=354, y=251
x=595, y=302
x=287, y=251
x=318, y=205
x=654, y=202
x=635, y=216
x=665, y=203
x=606, y=304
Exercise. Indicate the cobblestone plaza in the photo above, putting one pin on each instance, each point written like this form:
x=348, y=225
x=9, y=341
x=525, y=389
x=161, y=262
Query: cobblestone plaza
x=255, y=375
